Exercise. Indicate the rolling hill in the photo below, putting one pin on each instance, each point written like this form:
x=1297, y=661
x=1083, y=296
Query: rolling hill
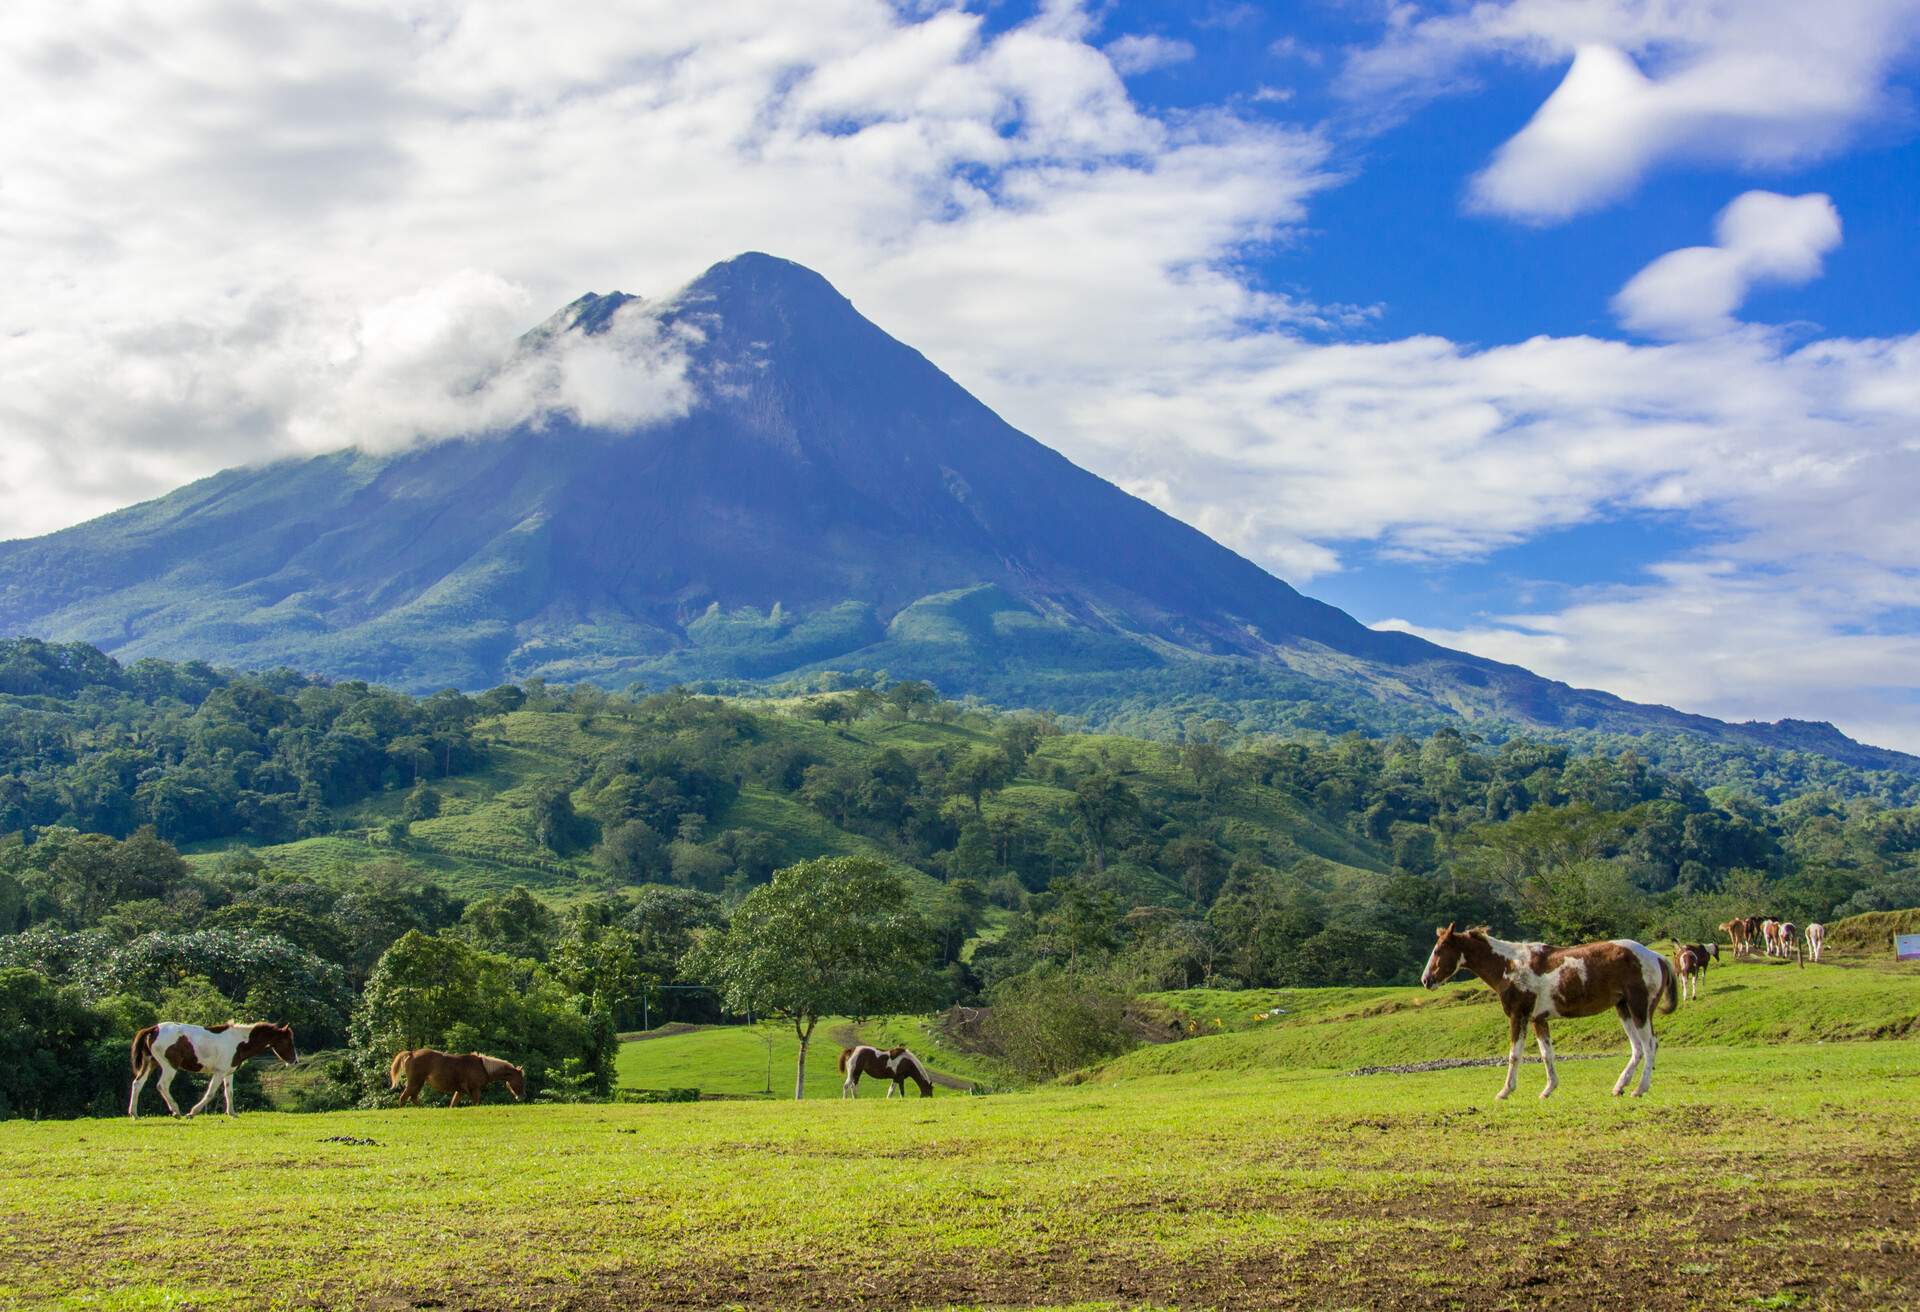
x=829, y=501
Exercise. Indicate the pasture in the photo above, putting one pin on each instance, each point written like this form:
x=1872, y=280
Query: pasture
x=1772, y=1166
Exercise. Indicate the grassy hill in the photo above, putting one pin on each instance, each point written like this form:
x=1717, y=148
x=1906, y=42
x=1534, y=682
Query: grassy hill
x=483, y=839
x=748, y=1060
x=1750, y=1004
x=1767, y=1168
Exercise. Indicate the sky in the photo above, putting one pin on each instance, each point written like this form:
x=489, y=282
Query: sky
x=1583, y=334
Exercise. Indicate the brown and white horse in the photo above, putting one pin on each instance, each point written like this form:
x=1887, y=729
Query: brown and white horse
x=455, y=1073
x=1690, y=962
x=1790, y=941
x=1770, y=930
x=1537, y=983
x=895, y=1064
x=215, y=1051
x=1816, y=940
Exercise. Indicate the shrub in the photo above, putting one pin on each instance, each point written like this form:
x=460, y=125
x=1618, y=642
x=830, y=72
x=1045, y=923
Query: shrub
x=1049, y=1022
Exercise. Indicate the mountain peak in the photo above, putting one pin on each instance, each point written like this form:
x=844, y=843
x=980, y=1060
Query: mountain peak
x=754, y=278
x=593, y=313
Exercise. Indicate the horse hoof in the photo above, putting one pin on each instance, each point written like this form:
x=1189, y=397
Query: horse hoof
x=1545, y=1094
x=1501, y=1096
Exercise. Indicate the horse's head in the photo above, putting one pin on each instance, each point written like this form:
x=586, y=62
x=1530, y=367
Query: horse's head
x=1448, y=947
x=516, y=1079
x=266, y=1036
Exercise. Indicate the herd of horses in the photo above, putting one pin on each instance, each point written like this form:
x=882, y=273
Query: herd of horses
x=1536, y=984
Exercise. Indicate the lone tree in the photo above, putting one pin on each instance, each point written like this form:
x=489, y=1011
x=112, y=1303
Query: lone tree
x=828, y=937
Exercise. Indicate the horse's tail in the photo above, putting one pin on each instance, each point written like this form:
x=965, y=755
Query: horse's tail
x=141, y=1053
x=398, y=1068
x=1668, y=987
x=844, y=1054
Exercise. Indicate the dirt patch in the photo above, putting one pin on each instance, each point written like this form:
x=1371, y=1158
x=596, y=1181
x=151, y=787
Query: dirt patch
x=1465, y=1245
x=1460, y=1063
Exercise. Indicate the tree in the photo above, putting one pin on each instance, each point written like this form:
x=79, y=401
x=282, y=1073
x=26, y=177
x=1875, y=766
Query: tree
x=1102, y=806
x=514, y=923
x=832, y=936
x=980, y=773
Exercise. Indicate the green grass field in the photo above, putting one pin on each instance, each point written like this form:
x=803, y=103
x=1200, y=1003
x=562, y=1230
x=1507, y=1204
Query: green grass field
x=1772, y=1166
x=747, y=1060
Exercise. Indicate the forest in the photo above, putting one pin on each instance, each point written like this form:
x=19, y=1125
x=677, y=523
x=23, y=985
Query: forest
x=161, y=822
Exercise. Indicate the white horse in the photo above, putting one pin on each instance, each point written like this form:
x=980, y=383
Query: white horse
x=215, y=1051
x=1816, y=939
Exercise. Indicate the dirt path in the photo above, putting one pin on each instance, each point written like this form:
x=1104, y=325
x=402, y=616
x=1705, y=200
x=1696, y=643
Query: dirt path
x=666, y=1031
x=848, y=1036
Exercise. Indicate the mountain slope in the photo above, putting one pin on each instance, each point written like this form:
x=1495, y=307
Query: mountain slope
x=831, y=500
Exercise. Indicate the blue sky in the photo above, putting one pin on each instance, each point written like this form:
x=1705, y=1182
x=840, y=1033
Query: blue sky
x=1396, y=234
x=1581, y=335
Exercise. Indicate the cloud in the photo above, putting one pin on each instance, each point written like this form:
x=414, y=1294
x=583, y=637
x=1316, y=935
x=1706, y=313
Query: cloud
x=1761, y=85
x=1762, y=237
x=1750, y=643
x=240, y=235
x=1143, y=54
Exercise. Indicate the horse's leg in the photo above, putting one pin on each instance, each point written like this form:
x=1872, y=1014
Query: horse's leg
x=139, y=1083
x=1633, y=1044
x=1648, y=1045
x=455, y=1102
x=895, y=1088
x=166, y=1090
x=850, y=1087
x=1516, y=1030
x=1546, y=1055
x=412, y=1092
x=213, y=1087
x=227, y=1086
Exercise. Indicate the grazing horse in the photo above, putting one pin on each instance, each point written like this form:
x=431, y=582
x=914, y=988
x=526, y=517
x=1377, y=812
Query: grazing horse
x=1816, y=939
x=454, y=1073
x=1690, y=962
x=215, y=1051
x=1538, y=983
x=895, y=1064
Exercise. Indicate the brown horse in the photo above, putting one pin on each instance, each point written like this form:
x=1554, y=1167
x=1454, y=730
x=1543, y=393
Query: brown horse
x=452, y=1073
x=1690, y=962
x=1537, y=983
x=895, y=1064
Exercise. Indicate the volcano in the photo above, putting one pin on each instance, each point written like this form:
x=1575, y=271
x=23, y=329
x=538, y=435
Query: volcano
x=825, y=499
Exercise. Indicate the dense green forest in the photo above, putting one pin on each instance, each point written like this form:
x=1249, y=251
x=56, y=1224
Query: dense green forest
x=525, y=870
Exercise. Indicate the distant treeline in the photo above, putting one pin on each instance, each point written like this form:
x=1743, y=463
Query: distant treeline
x=198, y=753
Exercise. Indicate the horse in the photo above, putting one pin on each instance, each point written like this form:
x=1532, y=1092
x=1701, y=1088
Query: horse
x=1816, y=940
x=1690, y=962
x=1776, y=941
x=215, y=1051
x=1537, y=983
x=1739, y=931
x=454, y=1073
x=895, y=1064
x=1790, y=941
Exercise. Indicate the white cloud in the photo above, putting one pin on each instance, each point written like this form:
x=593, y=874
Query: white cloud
x=1142, y=54
x=1763, y=237
x=1759, y=84
x=1747, y=643
x=234, y=235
